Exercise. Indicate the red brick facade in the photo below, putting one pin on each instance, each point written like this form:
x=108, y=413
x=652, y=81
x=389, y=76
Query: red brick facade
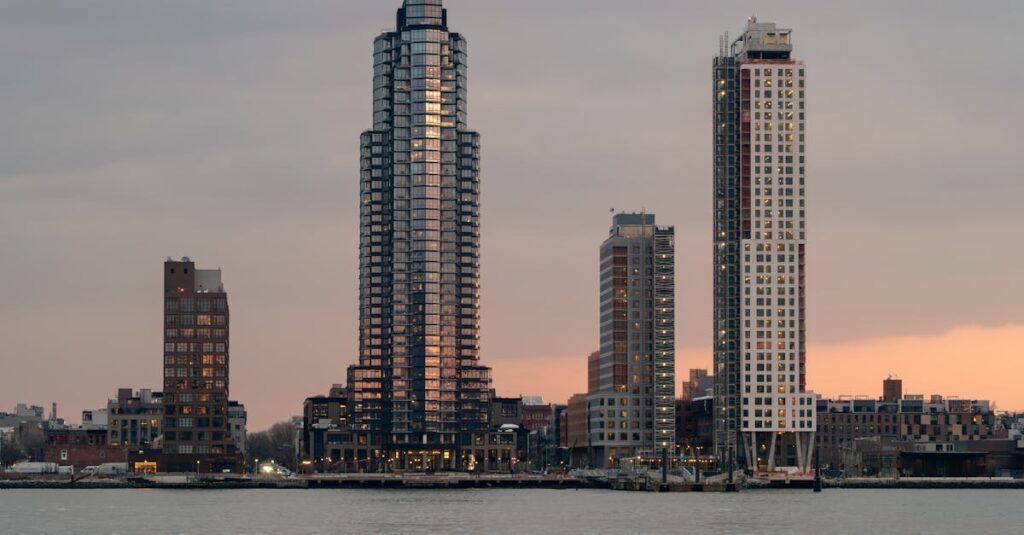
x=81, y=448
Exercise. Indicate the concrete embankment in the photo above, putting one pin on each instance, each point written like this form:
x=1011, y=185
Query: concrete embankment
x=421, y=481
x=926, y=483
x=311, y=482
x=655, y=486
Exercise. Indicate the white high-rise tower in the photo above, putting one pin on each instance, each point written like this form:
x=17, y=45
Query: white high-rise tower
x=765, y=417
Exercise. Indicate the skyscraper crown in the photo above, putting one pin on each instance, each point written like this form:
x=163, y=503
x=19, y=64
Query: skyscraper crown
x=422, y=13
x=764, y=40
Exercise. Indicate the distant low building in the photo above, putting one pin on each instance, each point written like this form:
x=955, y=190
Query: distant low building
x=6, y=441
x=325, y=429
x=95, y=418
x=29, y=411
x=928, y=434
x=22, y=413
x=892, y=389
x=536, y=413
x=81, y=447
x=134, y=418
x=700, y=384
x=841, y=422
x=576, y=425
x=539, y=430
x=237, y=421
x=506, y=411
x=695, y=426
x=556, y=434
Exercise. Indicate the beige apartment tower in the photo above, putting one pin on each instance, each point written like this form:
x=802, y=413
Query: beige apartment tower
x=632, y=398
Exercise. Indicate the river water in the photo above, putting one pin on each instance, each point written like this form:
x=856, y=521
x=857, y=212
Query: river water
x=510, y=511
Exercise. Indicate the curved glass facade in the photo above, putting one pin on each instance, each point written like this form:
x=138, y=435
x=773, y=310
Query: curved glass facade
x=419, y=384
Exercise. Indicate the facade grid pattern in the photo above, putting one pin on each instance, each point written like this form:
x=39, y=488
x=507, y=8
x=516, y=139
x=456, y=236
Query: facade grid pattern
x=419, y=384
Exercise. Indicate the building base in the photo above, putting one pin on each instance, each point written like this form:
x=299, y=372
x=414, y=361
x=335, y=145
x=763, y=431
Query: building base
x=155, y=461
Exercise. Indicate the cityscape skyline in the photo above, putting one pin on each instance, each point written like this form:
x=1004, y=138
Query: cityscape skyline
x=110, y=197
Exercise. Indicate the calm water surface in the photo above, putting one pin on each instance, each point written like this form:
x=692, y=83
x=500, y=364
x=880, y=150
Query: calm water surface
x=509, y=511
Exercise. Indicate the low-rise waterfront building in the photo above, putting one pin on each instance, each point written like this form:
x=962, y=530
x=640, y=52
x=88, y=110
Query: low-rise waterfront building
x=325, y=430
x=81, y=447
x=329, y=441
x=577, y=431
x=536, y=414
x=695, y=428
x=506, y=411
x=95, y=418
x=928, y=434
x=22, y=413
x=134, y=418
x=237, y=421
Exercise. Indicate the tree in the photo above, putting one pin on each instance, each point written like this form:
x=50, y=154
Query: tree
x=282, y=438
x=26, y=442
x=10, y=452
x=258, y=446
x=30, y=439
x=276, y=443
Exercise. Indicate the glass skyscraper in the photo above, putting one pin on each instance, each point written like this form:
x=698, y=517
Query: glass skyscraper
x=419, y=391
x=765, y=416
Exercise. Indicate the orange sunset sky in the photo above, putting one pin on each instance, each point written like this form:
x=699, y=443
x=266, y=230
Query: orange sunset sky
x=850, y=369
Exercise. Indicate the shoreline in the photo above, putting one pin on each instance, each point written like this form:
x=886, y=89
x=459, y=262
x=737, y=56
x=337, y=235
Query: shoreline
x=456, y=482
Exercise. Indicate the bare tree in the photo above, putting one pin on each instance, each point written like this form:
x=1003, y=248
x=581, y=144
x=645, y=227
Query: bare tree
x=11, y=451
x=282, y=437
x=26, y=442
x=276, y=443
x=258, y=446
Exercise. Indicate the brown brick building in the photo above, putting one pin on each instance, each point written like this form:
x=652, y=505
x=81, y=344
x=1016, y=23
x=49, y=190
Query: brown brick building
x=906, y=422
x=536, y=415
x=576, y=428
x=81, y=447
x=197, y=436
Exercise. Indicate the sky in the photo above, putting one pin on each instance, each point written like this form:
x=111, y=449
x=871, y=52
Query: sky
x=228, y=131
